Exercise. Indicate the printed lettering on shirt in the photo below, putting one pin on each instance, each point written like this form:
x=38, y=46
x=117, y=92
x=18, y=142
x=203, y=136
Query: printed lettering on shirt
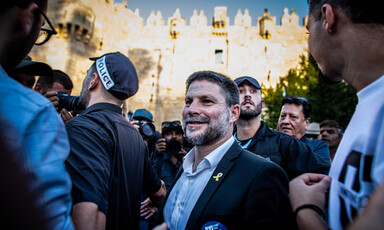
x=355, y=185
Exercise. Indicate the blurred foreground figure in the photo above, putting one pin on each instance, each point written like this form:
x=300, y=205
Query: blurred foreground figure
x=38, y=131
x=345, y=37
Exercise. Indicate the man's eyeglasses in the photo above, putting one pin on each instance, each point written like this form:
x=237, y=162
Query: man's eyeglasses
x=45, y=34
x=170, y=124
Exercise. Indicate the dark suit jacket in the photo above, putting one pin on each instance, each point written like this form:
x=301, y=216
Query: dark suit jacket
x=252, y=193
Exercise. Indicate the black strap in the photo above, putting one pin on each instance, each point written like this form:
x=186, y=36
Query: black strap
x=310, y=206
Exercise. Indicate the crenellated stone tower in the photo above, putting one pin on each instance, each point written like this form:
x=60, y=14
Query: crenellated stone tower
x=166, y=51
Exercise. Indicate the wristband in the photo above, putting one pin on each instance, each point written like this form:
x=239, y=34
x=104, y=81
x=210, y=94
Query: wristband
x=310, y=206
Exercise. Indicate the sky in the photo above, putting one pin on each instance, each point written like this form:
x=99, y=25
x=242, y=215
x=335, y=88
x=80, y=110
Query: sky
x=255, y=7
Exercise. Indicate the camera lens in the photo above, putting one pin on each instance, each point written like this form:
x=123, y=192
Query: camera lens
x=173, y=146
x=70, y=103
x=147, y=130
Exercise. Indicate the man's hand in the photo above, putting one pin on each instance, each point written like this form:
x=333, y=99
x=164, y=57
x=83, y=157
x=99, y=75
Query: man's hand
x=135, y=124
x=312, y=189
x=182, y=152
x=161, y=146
x=52, y=96
x=65, y=115
x=147, y=209
x=309, y=188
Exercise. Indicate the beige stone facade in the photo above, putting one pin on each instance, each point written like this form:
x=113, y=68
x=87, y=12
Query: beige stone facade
x=166, y=51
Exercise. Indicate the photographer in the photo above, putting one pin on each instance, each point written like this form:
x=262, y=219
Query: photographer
x=169, y=151
x=49, y=86
x=142, y=120
x=26, y=72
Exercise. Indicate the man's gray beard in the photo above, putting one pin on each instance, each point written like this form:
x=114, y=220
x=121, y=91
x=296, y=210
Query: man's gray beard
x=216, y=130
x=248, y=114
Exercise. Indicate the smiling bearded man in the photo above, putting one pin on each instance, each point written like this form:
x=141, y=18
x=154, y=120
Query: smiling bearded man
x=220, y=184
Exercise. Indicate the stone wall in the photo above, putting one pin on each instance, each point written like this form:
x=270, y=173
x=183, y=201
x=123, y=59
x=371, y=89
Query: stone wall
x=166, y=51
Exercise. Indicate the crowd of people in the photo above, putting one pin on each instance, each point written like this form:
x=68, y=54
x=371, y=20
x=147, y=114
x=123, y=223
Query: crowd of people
x=76, y=162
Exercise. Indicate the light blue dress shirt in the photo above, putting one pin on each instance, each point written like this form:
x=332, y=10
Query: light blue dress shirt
x=190, y=185
x=44, y=143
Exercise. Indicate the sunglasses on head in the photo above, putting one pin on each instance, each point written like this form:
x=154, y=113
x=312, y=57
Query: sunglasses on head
x=170, y=124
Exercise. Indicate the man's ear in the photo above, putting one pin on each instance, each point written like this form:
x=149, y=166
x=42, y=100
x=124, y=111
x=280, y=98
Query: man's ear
x=307, y=121
x=234, y=113
x=95, y=82
x=38, y=87
x=26, y=18
x=329, y=18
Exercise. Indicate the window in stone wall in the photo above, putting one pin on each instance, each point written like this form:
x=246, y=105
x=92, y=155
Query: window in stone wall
x=219, y=57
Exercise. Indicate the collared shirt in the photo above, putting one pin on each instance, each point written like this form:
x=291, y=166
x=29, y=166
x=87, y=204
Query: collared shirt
x=190, y=185
x=319, y=147
x=44, y=144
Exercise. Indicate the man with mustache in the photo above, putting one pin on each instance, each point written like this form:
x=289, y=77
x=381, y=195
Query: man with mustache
x=294, y=120
x=331, y=133
x=294, y=156
x=221, y=185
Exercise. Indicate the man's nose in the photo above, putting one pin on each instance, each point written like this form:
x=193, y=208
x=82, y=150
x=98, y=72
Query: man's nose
x=193, y=108
x=284, y=120
x=247, y=96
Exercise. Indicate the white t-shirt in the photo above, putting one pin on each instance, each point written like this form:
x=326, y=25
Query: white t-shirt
x=358, y=167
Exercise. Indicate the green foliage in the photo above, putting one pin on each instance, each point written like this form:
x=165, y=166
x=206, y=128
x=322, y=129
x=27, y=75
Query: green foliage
x=334, y=101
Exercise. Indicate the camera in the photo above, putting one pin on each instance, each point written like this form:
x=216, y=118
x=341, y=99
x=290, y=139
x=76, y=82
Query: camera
x=70, y=103
x=173, y=146
x=146, y=129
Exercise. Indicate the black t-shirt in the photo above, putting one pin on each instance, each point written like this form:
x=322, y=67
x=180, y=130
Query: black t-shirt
x=109, y=165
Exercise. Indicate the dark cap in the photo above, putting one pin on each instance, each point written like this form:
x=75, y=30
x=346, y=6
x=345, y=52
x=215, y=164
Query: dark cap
x=251, y=80
x=117, y=74
x=33, y=67
x=167, y=126
x=142, y=114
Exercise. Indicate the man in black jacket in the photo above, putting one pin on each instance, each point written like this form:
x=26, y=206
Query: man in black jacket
x=221, y=185
x=254, y=135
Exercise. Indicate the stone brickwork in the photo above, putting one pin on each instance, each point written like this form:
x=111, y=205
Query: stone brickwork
x=166, y=51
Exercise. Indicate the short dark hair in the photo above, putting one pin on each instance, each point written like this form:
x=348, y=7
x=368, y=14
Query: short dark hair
x=5, y=5
x=334, y=124
x=307, y=106
x=59, y=77
x=227, y=87
x=357, y=11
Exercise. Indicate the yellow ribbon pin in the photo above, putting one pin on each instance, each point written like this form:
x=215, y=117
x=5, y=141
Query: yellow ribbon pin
x=217, y=176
